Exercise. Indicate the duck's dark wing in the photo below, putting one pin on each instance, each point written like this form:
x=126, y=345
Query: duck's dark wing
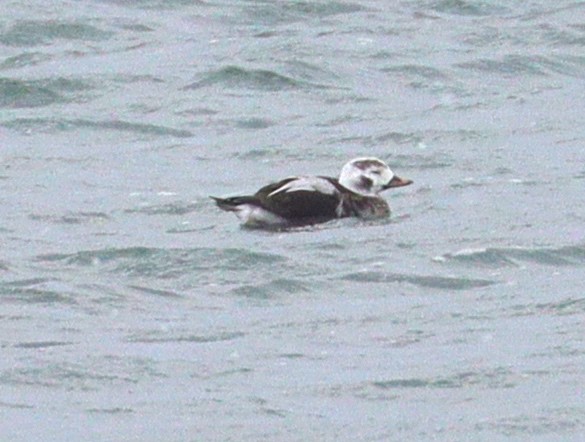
x=297, y=198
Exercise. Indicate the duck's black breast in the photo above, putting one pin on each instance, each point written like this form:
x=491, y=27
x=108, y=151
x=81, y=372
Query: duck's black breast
x=365, y=206
x=296, y=204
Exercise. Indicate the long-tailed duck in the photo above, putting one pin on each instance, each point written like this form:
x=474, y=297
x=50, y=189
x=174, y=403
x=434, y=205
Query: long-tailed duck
x=304, y=200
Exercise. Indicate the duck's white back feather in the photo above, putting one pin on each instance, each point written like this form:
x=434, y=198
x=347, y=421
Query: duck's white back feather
x=307, y=183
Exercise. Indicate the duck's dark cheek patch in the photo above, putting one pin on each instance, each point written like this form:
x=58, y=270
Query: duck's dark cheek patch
x=366, y=182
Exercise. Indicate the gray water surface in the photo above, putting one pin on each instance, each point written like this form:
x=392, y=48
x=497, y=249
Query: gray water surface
x=132, y=309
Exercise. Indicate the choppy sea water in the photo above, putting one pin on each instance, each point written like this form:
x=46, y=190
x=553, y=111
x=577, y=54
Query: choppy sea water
x=131, y=308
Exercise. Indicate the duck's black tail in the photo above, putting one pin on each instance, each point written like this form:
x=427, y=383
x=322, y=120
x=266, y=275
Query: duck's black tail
x=231, y=204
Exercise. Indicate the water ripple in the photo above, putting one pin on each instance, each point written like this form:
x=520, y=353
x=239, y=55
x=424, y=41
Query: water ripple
x=497, y=378
x=153, y=4
x=271, y=289
x=24, y=59
x=534, y=65
x=553, y=422
x=114, y=410
x=463, y=7
x=567, y=306
x=166, y=209
x=157, y=338
x=289, y=11
x=16, y=406
x=27, y=125
x=514, y=256
x=156, y=292
x=165, y=263
x=36, y=93
x=436, y=282
x=42, y=344
x=417, y=71
x=93, y=376
x=255, y=79
x=38, y=32
x=37, y=291
x=72, y=218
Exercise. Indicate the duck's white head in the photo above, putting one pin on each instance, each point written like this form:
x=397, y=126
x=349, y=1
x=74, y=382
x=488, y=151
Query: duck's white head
x=369, y=176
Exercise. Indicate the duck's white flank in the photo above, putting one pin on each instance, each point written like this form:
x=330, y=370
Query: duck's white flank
x=251, y=215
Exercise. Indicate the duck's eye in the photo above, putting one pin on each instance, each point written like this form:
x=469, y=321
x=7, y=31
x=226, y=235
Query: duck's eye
x=376, y=172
